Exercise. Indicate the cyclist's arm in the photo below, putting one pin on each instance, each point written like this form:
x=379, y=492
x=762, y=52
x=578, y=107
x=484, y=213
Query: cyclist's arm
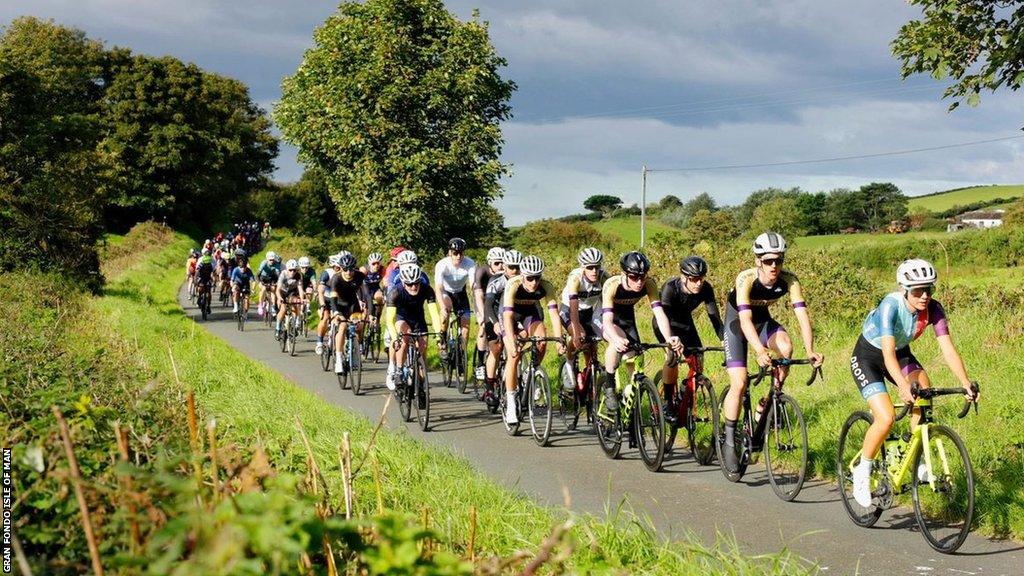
x=435, y=315
x=892, y=366
x=439, y=277
x=478, y=300
x=608, y=311
x=367, y=299
x=390, y=313
x=507, y=308
x=556, y=323
x=572, y=289
x=743, y=284
x=802, y=315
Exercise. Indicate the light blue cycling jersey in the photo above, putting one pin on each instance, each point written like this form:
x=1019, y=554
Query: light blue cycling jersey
x=894, y=318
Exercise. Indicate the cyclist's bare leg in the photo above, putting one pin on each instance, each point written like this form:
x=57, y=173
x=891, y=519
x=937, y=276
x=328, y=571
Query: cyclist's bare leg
x=538, y=330
x=883, y=414
x=512, y=369
x=737, y=387
x=782, y=344
x=923, y=381
x=403, y=343
x=341, y=335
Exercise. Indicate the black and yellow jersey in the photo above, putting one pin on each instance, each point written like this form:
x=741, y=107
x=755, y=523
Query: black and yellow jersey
x=750, y=293
x=617, y=299
x=519, y=300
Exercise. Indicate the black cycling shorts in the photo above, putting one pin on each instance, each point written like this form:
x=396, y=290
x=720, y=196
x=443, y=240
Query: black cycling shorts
x=346, y=309
x=460, y=302
x=591, y=322
x=735, y=342
x=868, y=367
x=687, y=333
x=489, y=332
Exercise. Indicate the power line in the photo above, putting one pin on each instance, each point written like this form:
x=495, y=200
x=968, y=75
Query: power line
x=836, y=158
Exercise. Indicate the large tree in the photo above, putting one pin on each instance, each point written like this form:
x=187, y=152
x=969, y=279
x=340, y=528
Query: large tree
x=398, y=104
x=978, y=44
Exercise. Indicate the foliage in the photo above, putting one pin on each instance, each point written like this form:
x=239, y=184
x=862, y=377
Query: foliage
x=573, y=235
x=942, y=201
x=679, y=215
x=781, y=215
x=880, y=204
x=977, y=44
x=980, y=204
x=50, y=215
x=670, y=201
x=1014, y=216
x=399, y=104
x=602, y=203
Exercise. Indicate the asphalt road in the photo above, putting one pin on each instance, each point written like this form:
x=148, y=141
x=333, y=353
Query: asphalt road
x=683, y=497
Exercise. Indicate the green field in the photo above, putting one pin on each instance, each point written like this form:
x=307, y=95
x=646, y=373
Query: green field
x=947, y=200
x=627, y=228
x=862, y=239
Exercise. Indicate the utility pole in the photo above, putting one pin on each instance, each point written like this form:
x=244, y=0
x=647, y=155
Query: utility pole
x=643, y=208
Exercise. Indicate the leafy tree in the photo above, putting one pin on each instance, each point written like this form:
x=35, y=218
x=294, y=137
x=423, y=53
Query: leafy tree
x=880, y=204
x=716, y=227
x=978, y=44
x=842, y=210
x=702, y=201
x=669, y=202
x=602, y=203
x=680, y=216
x=781, y=214
x=812, y=211
x=180, y=140
x=49, y=170
x=399, y=104
x=745, y=211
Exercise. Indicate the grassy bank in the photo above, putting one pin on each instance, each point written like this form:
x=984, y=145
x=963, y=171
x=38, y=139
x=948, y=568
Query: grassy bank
x=258, y=405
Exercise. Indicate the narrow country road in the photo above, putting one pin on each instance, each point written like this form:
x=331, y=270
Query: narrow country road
x=684, y=497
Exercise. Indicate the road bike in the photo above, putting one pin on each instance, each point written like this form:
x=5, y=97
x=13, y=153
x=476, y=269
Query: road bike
x=291, y=329
x=533, y=391
x=777, y=429
x=267, y=305
x=225, y=291
x=639, y=417
x=352, y=376
x=930, y=461
x=203, y=299
x=242, y=315
x=577, y=392
x=414, y=382
x=371, y=342
x=692, y=406
x=453, y=362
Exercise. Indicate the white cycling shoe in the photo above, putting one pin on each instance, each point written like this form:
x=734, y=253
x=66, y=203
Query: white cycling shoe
x=862, y=485
x=479, y=373
x=389, y=381
x=319, y=348
x=339, y=364
x=511, y=414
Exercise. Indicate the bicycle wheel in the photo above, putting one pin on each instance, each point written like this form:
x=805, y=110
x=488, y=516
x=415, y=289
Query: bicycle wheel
x=649, y=424
x=741, y=440
x=327, y=352
x=284, y=337
x=945, y=508
x=568, y=400
x=204, y=310
x=293, y=336
x=404, y=393
x=461, y=380
x=703, y=421
x=851, y=439
x=355, y=367
x=422, y=388
x=671, y=429
x=785, y=447
x=240, y=321
x=608, y=432
x=539, y=404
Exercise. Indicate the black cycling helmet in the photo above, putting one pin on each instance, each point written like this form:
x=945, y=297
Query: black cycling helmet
x=693, y=266
x=347, y=262
x=635, y=263
x=457, y=245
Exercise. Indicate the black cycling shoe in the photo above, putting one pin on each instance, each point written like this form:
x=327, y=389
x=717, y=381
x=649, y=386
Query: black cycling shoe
x=671, y=414
x=732, y=460
x=611, y=403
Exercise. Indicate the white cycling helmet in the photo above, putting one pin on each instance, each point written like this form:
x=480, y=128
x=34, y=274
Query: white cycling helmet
x=916, y=272
x=304, y=262
x=334, y=260
x=532, y=266
x=291, y=265
x=590, y=257
x=769, y=243
x=409, y=274
x=374, y=257
x=513, y=258
x=272, y=256
x=407, y=257
x=496, y=254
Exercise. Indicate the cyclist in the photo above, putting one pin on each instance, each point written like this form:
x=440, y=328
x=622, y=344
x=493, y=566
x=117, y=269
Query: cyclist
x=581, y=295
x=309, y=281
x=391, y=267
x=512, y=259
x=190, y=268
x=348, y=292
x=680, y=296
x=747, y=319
x=268, y=274
x=485, y=327
x=241, y=281
x=522, y=316
x=619, y=297
x=393, y=281
x=325, y=300
x=204, y=276
x=374, y=274
x=451, y=275
x=883, y=353
x=290, y=293
x=404, y=313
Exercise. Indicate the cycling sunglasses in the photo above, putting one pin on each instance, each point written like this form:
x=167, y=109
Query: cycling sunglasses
x=411, y=284
x=533, y=278
x=636, y=277
x=772, y=261
x=918, y=291
x=594, y=267
x=511, y=267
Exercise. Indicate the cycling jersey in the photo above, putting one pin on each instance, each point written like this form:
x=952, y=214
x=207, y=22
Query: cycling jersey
x=453, y=277
x=269, y=273
x=190, y=266
x=894, y=318
x=372, y=279
x=348, y=292
x=325, y=281
x=204, y=270
x=242, y=277
x=586, y=293
x=493, y=297
x=481, y=277
x=680, y=304
x=407, y=307
x=619, y=300
x=750, y=294
x=290, y=283
x=308, y=277
x=524, y=304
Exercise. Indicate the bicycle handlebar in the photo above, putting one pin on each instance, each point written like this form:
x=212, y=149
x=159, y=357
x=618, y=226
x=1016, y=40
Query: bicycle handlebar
x=918, y=392
x=756, y=378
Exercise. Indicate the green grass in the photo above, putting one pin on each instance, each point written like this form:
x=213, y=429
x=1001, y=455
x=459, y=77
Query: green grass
x=256, y=403
x=627, y=228
x=946, y=200
x=862, y=239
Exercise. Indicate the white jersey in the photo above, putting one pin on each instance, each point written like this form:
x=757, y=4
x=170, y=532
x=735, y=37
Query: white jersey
x=453, y=278
x=585, y=292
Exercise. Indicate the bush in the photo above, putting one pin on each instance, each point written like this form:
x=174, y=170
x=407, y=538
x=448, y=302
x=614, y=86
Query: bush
x=573, y=235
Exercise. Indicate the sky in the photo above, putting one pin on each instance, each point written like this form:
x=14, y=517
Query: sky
x=608, y=87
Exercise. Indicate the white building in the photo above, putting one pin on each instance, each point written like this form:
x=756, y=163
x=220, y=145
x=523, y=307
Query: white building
x=977, y=219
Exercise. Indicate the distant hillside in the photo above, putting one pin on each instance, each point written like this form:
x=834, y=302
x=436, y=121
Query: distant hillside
x=628, y=228
x=942, y=201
